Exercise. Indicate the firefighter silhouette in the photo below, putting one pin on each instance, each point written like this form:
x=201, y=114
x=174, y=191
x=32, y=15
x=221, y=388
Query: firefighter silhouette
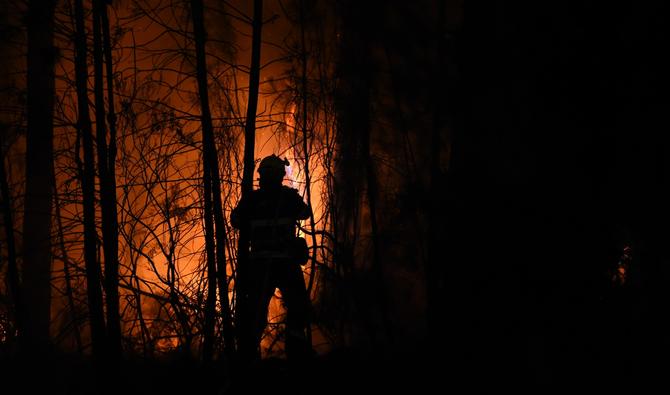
x=270, y=215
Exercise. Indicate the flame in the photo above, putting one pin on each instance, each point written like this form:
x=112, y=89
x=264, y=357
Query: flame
x=161, y=244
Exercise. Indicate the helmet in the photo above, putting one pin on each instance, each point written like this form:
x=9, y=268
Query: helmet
x=273, y=163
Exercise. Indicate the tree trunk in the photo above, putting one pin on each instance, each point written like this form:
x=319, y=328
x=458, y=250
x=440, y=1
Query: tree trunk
x=305, y=148
x=110, y=236
x=67, y=277
x=250, y=142
x=213, y=211
x=12, y=268
x=252, y=106
x=95, y=307
x=112, y=271
x=36, y=293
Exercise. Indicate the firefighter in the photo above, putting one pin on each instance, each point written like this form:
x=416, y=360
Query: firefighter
x=269, y=215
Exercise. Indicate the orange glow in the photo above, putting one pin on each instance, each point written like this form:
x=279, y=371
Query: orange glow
x=158, y=168
x=620, y=275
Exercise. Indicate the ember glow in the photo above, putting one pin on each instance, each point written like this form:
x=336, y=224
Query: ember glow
x=621, y=272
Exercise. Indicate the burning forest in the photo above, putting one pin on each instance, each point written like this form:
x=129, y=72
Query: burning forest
x=332, y=196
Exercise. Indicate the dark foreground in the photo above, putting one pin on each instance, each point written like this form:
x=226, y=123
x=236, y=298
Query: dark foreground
x=578, y=368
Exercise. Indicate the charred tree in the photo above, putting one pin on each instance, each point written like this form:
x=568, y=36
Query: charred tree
x=95, y=300
x=215, y=231
x=67, y=275
x=305, y=142
x=36, y=268
x=112, y=271
x=249, y=141
x=110, y=238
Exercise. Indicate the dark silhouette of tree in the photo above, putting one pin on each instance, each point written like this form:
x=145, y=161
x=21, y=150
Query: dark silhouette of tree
x=106, y=174
x=84, y=131
x=305, y=138
x=249, y=141
x=11, y=125
x=39, y=161
x=67, y=273
x=8, y=222
x=215, y=239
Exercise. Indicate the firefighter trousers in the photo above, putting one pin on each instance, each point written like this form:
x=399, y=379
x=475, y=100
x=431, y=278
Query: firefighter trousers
x=257, y=284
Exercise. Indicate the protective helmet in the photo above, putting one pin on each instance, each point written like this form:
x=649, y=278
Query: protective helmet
x=273, y=163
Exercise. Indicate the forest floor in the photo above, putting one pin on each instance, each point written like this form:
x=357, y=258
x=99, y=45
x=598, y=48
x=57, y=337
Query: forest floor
x=338, y=373
x=335, y=373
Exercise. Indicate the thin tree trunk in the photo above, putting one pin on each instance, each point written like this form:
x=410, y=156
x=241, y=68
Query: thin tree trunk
x=305, y=148
x=12, y=268
x=111, y=114
x=249, y=144
x=221, y=264
x=147, y=349
x=252, y=106
x=95, y=307
x=219, y=221
x=66, y=271
x=214, y=248
x=66, y=264
x=36, y=292
x=210, y=301
x=110, y=238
